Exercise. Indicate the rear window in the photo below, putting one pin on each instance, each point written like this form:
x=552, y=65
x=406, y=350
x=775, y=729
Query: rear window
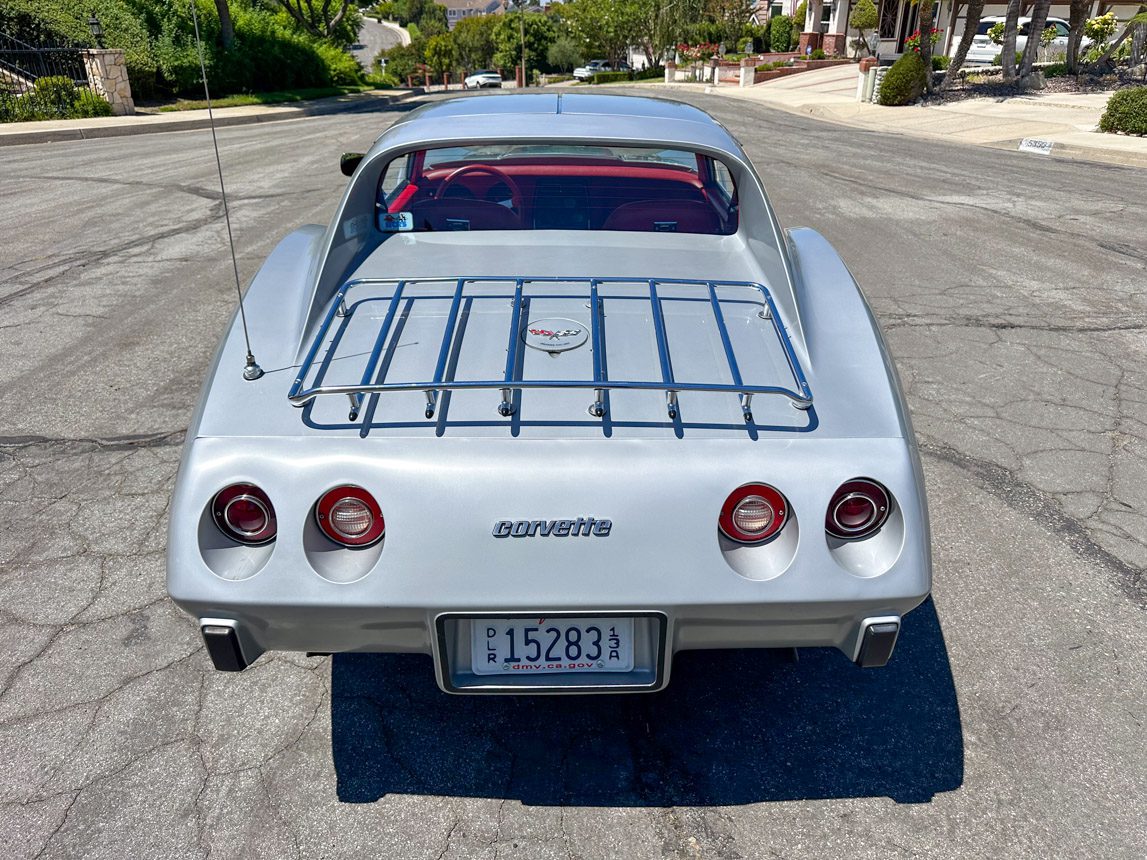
x=558, y=187
x=982, y=30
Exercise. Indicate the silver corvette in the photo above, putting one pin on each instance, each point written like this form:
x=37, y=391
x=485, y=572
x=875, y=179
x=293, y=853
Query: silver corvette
x=551, y=399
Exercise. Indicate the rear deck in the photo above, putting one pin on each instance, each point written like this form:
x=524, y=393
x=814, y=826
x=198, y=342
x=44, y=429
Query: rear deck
x=513, y=353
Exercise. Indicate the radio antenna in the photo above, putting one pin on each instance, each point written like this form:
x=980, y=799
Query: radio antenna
x=251, y=370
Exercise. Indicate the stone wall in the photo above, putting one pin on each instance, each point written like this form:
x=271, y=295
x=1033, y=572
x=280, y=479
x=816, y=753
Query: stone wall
x=107, y=75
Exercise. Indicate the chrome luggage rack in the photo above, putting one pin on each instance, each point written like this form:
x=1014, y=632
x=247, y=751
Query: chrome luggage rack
x=341, y=312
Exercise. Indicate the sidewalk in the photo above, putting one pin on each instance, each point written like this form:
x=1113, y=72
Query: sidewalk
x=1067, y=120
x=16, y=133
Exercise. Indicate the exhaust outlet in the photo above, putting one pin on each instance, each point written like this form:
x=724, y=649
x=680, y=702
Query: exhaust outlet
x=877, y=641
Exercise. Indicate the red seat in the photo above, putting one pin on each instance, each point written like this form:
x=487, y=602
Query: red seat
x=664, y=216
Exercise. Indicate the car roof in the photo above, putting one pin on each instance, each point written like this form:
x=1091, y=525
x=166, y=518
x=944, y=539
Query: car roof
x=566, y=116
x=1023, y=19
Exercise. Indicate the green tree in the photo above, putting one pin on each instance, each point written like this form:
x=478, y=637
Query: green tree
x=662, y=24
x=604, y=27
x=440, y=53
x=799, y=15
x=433, y=21
x=729, y=16
x=971, y=25
x=402, y=60
x=564, y=54
x=474, y=39
x=540, y=33
x=323, y=19
x=864, y=17
x=409, y=11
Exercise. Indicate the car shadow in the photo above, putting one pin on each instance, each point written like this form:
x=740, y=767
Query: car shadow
x=733, y=727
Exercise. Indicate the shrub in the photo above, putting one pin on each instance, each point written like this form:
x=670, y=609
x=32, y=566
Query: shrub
x=997, y=60
x=904, y=82
x=342, y=70
x=1055, y=70
x=780, y=33
x=610, y=77
x=818, y=54
x=650, y=73
x=940, y=63
x=52, y=98
x=1126, y=112
x=88, y=104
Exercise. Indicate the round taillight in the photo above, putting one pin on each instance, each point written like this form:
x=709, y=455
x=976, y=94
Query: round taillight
x=858, y=508
x=350, y=516
x=753, y=513
x=244, y=513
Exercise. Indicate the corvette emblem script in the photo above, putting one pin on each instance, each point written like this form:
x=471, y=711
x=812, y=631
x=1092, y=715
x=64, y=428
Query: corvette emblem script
x=581, y=527
x=555, y=335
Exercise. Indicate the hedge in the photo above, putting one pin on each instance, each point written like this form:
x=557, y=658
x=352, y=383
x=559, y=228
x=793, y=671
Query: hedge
x=1126, y=112
x=650, y=73
x=904, y=82
x=610, y=77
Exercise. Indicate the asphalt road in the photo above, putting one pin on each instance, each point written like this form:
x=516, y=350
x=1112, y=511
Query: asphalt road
x=1010, y=722
x=373, y=37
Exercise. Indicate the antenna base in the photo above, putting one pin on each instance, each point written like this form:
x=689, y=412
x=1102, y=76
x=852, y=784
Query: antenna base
x=251, y=371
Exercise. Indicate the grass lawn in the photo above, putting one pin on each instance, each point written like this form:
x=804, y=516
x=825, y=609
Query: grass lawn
x=266, y=98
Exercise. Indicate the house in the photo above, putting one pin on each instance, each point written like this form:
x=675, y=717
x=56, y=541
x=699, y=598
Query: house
x=456, y=10
x=899, y=20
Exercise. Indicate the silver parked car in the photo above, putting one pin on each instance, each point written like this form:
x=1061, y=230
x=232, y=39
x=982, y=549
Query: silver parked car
x=554, y=397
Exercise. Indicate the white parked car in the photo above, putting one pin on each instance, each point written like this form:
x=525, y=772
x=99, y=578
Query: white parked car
x=481, y=79
x=984, y=51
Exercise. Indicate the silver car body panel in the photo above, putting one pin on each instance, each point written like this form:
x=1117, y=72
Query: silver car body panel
x=444, y=483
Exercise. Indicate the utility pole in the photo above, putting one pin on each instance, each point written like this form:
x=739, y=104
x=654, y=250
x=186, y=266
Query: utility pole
x=522, y=27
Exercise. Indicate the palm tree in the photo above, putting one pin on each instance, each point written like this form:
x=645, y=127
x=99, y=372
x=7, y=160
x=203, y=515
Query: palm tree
x=1035, y=33
x=1078, y=17
x=971, y=24
x=926, y=10
x=1008, y=51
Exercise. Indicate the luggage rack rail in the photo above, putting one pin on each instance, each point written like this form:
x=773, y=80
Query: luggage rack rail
x=799, y=395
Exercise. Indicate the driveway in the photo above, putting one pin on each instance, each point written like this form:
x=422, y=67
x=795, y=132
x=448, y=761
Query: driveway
x=1009, y=724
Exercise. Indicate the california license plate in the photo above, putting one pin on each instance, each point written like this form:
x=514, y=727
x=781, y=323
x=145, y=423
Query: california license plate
x=500, y=646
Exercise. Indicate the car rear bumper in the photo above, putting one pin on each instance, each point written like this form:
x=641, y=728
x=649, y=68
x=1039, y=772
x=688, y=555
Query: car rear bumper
x=444, y=553
x=236, y=636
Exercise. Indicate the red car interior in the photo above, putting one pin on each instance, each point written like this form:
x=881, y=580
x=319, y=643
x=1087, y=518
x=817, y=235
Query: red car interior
x=565, y=193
